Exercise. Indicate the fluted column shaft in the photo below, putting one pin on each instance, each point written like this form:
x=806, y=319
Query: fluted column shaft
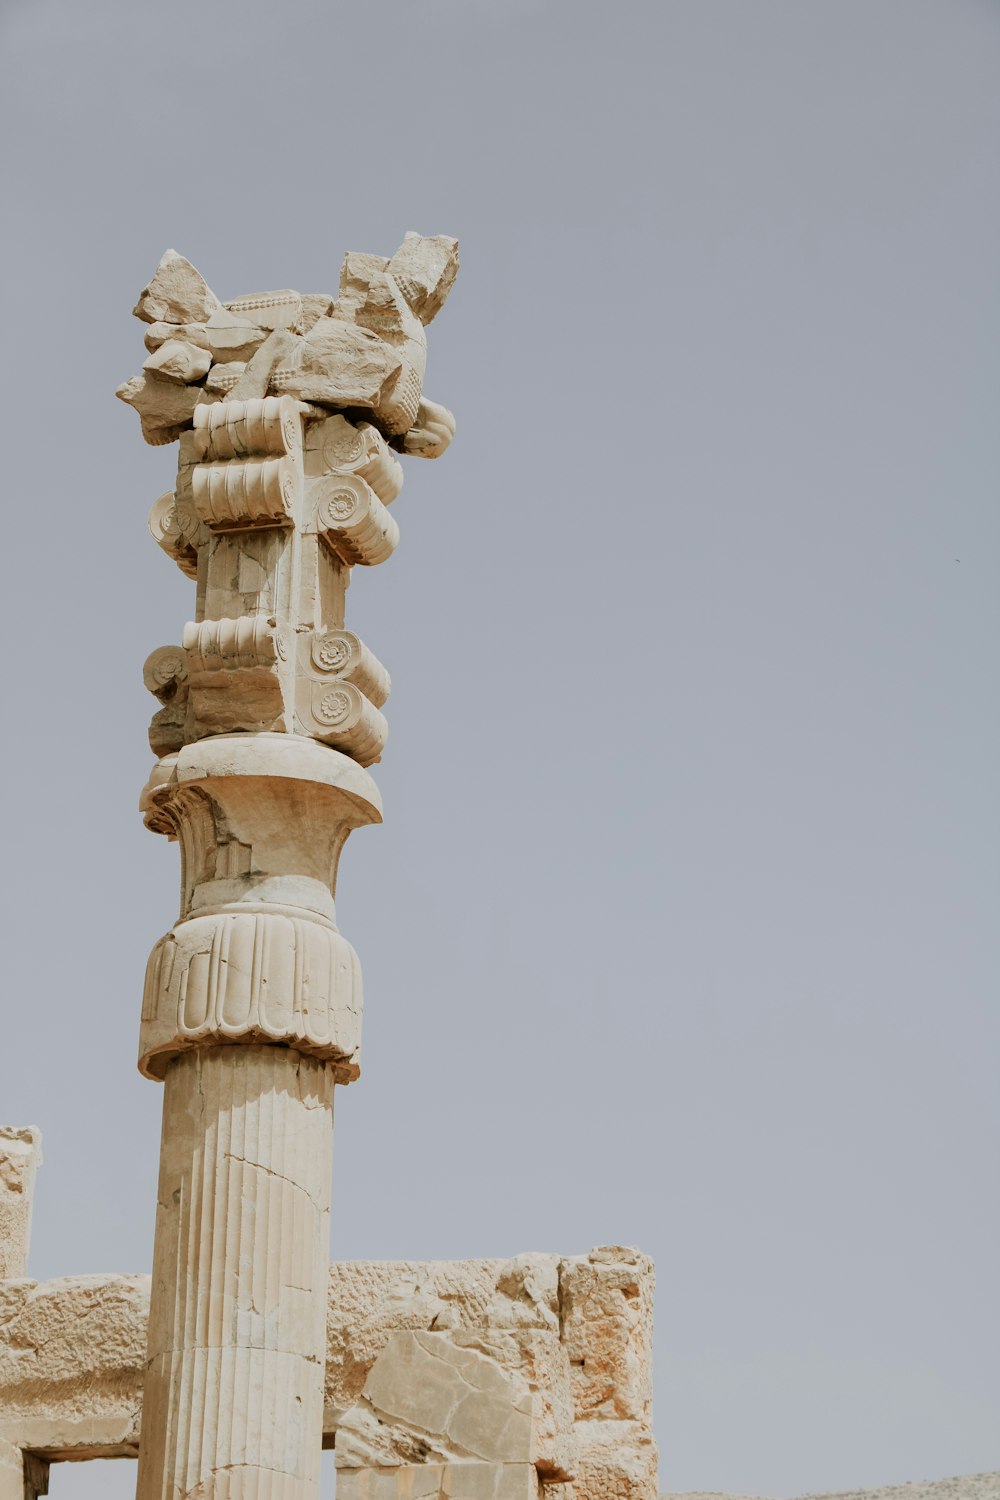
x=251, y=1014
x=234, y=1387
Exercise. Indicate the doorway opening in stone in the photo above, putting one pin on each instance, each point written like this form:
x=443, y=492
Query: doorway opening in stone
x=114, y=1479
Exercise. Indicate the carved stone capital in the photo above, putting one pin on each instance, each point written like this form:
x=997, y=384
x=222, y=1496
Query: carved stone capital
x=256, y=955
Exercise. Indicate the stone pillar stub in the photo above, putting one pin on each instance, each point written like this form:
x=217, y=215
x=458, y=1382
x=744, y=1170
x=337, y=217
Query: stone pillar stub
x=20, y=1158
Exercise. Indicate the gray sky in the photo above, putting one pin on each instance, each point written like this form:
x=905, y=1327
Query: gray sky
x=681, y=928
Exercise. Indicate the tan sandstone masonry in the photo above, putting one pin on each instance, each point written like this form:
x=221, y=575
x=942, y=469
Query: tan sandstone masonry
x=451, y=1378
x=290, y=413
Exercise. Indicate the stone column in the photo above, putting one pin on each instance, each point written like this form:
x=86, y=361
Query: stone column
x=251, y=1012
x=289, y=413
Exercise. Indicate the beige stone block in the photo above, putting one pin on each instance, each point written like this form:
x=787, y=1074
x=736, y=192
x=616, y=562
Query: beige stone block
x=369, y=1301
x=458, y=1402
x=425, y=267
x=456, y=1481
x=72, y=1354
x=20, y=1158
x=538, y=1358
x=356, y=273
x=222, y=378
x=615, y=1461
x=226, y=335
x=163, y=405
x=315, y=305
x=339, y=364
x=177, y=293
x=180, y=361
x=278, y=348
x=607, y=1308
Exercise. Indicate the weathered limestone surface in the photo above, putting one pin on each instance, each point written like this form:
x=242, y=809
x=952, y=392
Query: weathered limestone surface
x=433, y=1371
x=20, y=1158
x=72, y=1357
x=177, y=293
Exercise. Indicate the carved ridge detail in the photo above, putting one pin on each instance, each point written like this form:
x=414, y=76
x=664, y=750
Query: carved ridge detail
x=257, y=492
x=266, y=427
x=215, y=645
x=252, y=977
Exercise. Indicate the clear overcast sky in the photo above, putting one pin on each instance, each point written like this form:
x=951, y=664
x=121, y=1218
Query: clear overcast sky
x=682, y=927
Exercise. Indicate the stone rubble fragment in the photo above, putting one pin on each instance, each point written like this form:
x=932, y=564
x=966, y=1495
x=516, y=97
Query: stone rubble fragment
x=223, y=377
x=315, y=305
x=279, y=346
x=425, y=267
x=163, y=405
x=366, y=350
x=225, y=335
x=177, y=293
x=180, y=361
x=339, y=364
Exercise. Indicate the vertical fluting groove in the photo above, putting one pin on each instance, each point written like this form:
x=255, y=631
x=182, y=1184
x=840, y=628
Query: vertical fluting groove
x=234, y=1392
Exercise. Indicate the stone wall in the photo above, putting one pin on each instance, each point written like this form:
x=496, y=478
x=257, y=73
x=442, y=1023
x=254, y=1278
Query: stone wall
x=477, y=1379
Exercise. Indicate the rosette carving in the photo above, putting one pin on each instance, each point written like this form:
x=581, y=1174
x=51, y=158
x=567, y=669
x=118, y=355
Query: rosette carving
x=340, y=714
x=165, y=674
x=335, y=445
x=165, y=525
x=343, y=654
x=353, y=521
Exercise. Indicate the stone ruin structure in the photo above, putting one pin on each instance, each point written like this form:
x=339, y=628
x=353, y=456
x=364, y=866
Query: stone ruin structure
x=245, y=1353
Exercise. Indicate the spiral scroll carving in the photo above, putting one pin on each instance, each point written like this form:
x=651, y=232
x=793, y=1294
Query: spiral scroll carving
x=353, y=521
